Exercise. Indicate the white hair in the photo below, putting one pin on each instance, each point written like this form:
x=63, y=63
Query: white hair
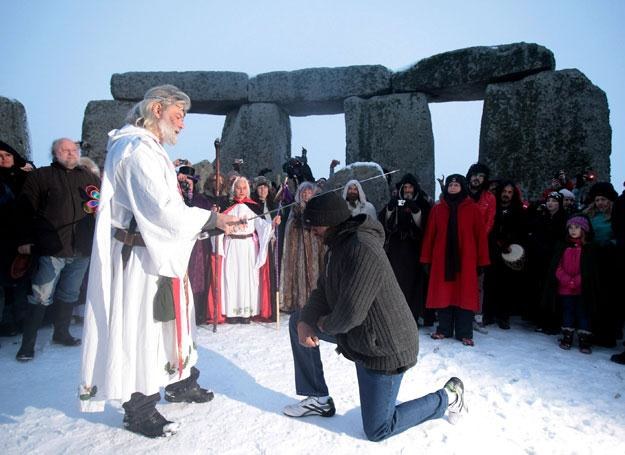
x=237, y=180
x=57, y=142
x=166, y=95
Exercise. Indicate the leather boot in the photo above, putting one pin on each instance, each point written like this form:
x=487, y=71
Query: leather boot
x=567, y=339
x=61, y=325
x=585, y=347
x=32, y=321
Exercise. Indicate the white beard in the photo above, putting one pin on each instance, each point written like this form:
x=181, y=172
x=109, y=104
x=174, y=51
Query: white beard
x=168, y=132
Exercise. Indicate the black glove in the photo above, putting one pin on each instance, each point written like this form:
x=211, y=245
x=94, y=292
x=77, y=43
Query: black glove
x=392, y=205
x=412, y=205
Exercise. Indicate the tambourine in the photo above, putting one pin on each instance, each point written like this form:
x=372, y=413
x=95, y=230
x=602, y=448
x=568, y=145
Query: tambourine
x=515, y=259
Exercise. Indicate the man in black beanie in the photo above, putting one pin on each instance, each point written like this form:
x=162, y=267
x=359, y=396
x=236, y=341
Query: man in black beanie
x=359, y=306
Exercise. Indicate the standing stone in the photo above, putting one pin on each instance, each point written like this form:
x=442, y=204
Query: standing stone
x=202, y=170
x=100, y=118
x=258, y=133
x=211, y=92
x=376, y=189
x=546, y=122
x=394, y=131
x=316, y=91
x=463, y=74
x=14, y=126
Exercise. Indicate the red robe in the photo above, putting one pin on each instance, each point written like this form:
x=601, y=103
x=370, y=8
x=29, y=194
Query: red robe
x=473, y=247
x=487, y=204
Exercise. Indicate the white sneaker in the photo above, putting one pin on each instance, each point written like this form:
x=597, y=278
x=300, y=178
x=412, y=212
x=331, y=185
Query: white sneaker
x=310, y=406
x=455, y=389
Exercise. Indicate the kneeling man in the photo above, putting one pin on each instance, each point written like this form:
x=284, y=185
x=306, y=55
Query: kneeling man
x=359, y=306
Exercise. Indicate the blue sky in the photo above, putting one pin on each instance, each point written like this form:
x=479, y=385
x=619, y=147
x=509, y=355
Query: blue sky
x=59, y=55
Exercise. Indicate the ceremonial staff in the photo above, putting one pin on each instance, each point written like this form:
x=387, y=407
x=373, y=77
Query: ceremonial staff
x=217, y=195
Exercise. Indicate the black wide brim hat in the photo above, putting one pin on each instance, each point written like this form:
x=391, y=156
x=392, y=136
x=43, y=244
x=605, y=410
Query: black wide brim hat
x=326, y=209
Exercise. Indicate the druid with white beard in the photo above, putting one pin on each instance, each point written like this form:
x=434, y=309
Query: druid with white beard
x=139, y=322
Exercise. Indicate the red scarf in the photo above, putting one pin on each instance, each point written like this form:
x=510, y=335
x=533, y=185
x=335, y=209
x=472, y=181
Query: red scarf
x=245, y=200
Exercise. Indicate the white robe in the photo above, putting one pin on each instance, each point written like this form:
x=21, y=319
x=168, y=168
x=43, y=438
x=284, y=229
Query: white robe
x=242, y=260
x=124, y=349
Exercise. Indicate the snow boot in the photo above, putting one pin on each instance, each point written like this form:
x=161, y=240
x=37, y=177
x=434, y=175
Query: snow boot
x=584, y=342
x=567, y=339
x=153, y=425
x=34, y=316
x=193, y=394
x=618, y=358
x=455, y=389
x=188, y=390
x=61, y=325
x=503, y=323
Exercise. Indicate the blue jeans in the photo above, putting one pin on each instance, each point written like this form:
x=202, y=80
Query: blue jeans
x=381, y=418
x=572, y=310
x=58, y=279
x=309, y=378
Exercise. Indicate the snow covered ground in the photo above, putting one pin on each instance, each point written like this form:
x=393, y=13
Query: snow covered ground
x=525, y=395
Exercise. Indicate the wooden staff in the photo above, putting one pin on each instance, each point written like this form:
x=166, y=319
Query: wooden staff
x=276, y=254
x=217, y=196
x=217, y=166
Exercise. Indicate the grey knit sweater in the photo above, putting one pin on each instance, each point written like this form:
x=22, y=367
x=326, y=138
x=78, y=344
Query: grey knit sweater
x=364, y=307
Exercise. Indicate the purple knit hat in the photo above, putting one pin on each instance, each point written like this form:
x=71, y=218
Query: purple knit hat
x=580, y=221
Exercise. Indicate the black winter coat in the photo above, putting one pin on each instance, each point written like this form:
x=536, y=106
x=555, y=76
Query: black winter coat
x=51, y=211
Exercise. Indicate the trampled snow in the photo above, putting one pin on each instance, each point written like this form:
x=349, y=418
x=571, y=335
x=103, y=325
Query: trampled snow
x=525, y=395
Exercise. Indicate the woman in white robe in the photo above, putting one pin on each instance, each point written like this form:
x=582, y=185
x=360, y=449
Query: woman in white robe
x=244, y=253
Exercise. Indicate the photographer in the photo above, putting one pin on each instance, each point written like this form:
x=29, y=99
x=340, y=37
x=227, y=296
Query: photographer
x=186, y=180
x=404, y=221
x=298, y=170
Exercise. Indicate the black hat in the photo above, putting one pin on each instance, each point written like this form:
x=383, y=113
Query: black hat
x=327, y=209
x=604, y=189
x=478, y=168
x=261, y=180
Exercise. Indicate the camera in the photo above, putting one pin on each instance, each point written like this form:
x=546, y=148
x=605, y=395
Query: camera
x=401, y=202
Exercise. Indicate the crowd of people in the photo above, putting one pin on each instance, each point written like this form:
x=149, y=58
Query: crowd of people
x=166, y=254
x=477, y=256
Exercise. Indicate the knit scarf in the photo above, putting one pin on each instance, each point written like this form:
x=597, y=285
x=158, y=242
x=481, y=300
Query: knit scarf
x=452, y=249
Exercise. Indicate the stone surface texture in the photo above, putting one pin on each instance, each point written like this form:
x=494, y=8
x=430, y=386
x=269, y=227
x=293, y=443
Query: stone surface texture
x=211, y=92
x=394, y=131
x=316, y=91
x=260, y=134
x=14, y=126
x=463, y=74
x=546, y=122
x=100, y=118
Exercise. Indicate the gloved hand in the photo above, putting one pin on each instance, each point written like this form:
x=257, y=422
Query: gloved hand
x=392, y=205
x=412, y=205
